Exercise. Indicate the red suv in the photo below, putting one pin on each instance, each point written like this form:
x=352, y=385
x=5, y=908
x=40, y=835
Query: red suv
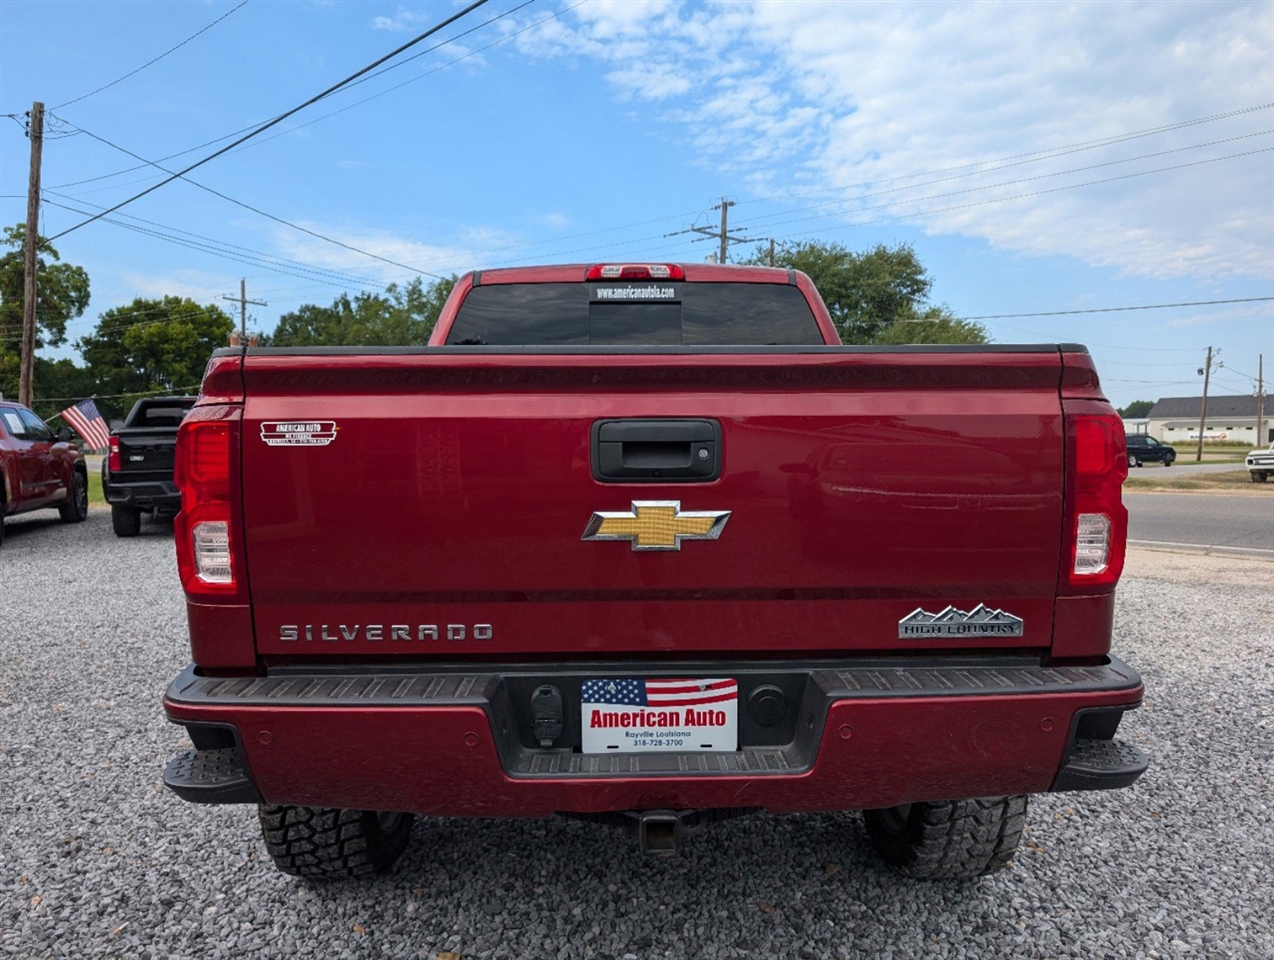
x=39, y=468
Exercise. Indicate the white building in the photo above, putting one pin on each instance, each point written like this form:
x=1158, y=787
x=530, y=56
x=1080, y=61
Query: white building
x=1230, y=419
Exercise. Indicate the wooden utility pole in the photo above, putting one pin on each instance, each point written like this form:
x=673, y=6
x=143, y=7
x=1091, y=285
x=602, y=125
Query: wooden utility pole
x=1260, y=400
x=30, y=259
x=1203, y=412
x=771, y=251
x=722, y=236
x=243, y=301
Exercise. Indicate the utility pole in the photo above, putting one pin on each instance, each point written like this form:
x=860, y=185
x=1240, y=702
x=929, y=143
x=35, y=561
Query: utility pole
x=771, y=251
x=30, y=259
x=1260, y=400
x=1206, y=372
x=243, y=301
x=722, y=236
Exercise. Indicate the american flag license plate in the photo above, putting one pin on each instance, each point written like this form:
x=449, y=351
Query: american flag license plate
x=632, y=715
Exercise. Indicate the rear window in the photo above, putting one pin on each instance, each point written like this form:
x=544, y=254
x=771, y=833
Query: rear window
x=640, y=312
x=166, y=415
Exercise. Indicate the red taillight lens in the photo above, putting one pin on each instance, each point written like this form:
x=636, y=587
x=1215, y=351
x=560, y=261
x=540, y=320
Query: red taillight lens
x=207, y=549
x=113, y=461
x=635, y=271
x=1096, y=520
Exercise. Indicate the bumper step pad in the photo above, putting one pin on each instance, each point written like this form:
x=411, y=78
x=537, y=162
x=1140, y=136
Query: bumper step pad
x=210, y=776
x=1101, y=765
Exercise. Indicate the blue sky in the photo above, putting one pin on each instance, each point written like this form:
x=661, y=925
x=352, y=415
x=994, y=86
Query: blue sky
x=1040, y=157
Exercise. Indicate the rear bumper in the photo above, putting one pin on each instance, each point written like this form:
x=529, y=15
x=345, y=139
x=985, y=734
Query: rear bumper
x=144, y=495
x=453, y=741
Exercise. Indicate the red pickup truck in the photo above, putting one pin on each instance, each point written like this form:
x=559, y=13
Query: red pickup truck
x=645, y=542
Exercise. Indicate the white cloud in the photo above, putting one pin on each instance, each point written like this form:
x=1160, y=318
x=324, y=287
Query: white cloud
x=865, y=98
x=410, y=256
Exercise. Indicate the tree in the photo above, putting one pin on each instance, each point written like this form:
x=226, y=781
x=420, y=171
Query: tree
x=62, y=294
x=934, y=325
x=1136, y=410
x=153, y=345
x=880, y=296
x=402, y=316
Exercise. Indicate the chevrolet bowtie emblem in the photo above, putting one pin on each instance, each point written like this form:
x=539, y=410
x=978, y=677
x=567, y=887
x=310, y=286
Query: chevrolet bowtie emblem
x=657, y=525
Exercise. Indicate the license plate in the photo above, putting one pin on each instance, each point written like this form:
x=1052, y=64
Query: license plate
x=634, y=715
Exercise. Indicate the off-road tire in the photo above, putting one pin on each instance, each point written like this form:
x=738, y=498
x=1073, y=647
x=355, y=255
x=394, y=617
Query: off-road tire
x=75, y=510
x=126, y=521
x=948, y=840
x=325, y=843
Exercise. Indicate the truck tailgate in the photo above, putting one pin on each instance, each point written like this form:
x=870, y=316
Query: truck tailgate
x=433, y=503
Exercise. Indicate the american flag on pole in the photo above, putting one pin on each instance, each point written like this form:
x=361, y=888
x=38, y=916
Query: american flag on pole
x=88, y=423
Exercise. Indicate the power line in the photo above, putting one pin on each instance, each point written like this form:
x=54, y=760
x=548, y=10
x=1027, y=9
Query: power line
x=471, y=53
x=1148, y=306
x=154, y=61
x=258, y=210
x=265, y=258
x=1003, y=183
x=281, y=117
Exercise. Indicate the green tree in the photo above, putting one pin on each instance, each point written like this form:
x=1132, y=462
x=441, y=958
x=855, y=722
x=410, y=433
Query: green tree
x=153, y=345
x=878, y=296
x=62, y=294
x=402, y=316
x=1136, y=410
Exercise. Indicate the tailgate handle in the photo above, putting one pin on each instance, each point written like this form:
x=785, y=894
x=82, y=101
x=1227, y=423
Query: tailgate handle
x=656, y=451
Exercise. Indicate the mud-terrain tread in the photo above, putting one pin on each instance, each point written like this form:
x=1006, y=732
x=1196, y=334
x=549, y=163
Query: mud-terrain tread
x=326, y=843
x=951, y=840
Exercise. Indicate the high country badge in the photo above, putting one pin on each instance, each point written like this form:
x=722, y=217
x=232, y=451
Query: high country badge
x=657, y=525
x=978, y=622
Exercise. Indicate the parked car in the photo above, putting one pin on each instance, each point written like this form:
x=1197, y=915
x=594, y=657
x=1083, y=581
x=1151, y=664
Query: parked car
x=137, y=473
x=39, y=468
x=1261, y=464
x=1143, y=449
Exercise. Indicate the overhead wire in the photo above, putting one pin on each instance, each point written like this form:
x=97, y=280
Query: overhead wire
x=280, y=118
x=155, y=60
x=259, y=211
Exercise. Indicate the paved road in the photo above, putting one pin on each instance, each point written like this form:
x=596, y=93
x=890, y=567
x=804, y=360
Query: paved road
x=1239, y=524
x=1182, y=468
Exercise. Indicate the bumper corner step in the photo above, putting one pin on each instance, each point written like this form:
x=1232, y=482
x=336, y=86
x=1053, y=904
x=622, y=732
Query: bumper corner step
x=1101, y=765
x=210, y=776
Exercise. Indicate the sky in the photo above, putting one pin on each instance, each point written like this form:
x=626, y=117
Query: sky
x=1041, y=158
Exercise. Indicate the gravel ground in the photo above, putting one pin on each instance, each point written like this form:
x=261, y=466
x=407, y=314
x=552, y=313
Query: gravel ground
x=98, y=860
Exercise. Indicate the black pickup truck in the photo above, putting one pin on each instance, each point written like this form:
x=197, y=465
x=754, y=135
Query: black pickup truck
x=137, y=475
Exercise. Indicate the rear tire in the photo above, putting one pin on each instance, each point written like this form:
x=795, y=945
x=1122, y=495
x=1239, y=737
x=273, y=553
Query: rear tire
x=950, y=839
x=325, y=843
x=1132, y=460
x=126, y=521
x=75, y=510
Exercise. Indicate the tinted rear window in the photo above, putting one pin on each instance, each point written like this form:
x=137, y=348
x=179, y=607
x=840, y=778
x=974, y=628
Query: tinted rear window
x=639, y=312
x=168, y=415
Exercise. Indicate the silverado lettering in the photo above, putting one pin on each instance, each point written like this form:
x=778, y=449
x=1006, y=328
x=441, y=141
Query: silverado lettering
x=924, y=639
x=374, y=632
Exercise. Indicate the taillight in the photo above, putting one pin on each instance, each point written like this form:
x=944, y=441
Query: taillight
x=208, y=556
x=635, y=271
x=1096, y=520
x=114, y=462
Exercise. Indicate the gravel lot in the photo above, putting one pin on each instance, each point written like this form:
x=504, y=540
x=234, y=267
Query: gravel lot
x=97, y=860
